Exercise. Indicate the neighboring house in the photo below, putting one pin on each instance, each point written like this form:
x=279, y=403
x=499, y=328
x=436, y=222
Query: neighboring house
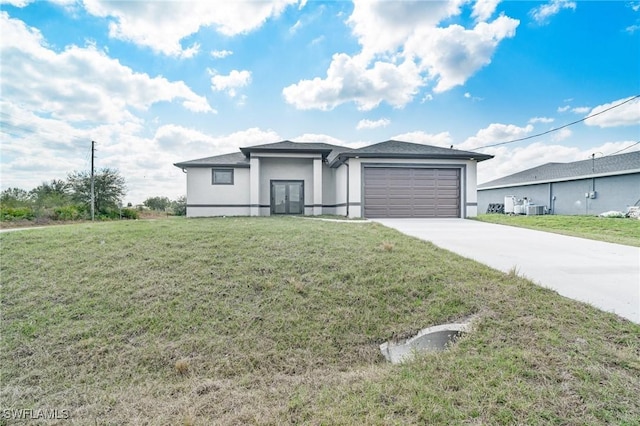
x=586, y=187
x=387, y=179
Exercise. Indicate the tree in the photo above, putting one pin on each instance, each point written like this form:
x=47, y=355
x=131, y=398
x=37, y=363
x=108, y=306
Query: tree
x=53, y=194
x=179, y=206
x=15, y=197
x=109, y=188
x=157, y=203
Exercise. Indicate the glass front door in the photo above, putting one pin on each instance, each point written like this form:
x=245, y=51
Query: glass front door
x=287, y=197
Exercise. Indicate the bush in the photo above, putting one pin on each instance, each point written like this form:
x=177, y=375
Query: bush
x=129, y=214
x=16, y=213
x=69, y=212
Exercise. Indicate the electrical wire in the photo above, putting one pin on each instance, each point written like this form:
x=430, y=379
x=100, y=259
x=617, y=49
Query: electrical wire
x=557, y=128
x=623, y=149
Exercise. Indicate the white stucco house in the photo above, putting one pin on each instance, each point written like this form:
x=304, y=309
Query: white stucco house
x=387, y=179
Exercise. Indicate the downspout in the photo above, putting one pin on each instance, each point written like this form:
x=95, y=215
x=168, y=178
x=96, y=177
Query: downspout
x=346, y=164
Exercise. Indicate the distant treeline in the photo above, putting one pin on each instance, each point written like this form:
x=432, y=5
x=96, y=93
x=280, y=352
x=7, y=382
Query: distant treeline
x=70, y=199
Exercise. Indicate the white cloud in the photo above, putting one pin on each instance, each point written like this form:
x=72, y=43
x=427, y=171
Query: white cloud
x=79, y=84
x=632, y=28
x=467, y=95
x=162, y=25
x=349, y=80
x=219, y=54
x=442, y=139
x=580, y=110
x=564, y=108
x=191, y=51
x=543, y=13
x=314, y=137
x=229, y=83
x=495, y=133
x=562, y=134
x=403, y=49
x=627, y=114
x=372, y=124
x=295, y=27
x=427, y=97
x=541, y=120
x=483, y=9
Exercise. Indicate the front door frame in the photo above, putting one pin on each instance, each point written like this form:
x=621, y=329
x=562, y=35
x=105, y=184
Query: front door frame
x=287, y=204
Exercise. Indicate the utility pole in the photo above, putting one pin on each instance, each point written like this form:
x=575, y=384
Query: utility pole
x=93, y=195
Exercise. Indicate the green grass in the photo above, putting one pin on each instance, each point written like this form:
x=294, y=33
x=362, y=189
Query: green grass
x=278, y=320
x=613, y=230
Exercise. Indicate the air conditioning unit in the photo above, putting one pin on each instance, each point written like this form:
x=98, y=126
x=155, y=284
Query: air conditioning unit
x=535, y=210
x=509, y=202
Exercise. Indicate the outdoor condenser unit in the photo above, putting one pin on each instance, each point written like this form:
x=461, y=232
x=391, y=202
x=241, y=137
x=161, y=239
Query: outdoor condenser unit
x=509, y=202
x=535, y=210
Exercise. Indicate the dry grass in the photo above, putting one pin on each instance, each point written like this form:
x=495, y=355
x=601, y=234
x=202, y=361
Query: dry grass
x=278, y=321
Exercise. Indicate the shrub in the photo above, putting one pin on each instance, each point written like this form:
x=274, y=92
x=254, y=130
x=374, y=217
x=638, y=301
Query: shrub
x=69, y=212
x=16, y=213
x=129, y=214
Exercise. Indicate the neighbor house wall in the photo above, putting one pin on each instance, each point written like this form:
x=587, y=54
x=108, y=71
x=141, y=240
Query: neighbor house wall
x=206, y=199
x=612, y=193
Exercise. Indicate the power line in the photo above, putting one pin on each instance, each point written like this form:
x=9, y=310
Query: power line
x=623, y=149
x=557, y=128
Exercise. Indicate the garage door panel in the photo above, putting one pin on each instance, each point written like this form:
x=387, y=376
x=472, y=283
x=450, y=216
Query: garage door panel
x=411, y=192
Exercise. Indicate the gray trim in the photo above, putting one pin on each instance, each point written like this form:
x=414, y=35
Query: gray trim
x=463, y=179
x=266, y=206
x=205, y=165
x=471, y=204
x=228, y=205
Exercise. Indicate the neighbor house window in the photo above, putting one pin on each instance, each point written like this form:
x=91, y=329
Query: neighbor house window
x=222, y=177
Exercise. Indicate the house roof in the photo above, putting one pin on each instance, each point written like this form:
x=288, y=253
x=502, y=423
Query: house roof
x=399, y=149
x=236, y=159
x=292, y=147
x=553, y=172
x=335, y=154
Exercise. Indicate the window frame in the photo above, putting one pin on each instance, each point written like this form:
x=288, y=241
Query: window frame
x=226, y=169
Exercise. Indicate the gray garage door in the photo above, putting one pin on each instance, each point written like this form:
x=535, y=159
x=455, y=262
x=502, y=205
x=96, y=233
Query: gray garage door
x=411, y=192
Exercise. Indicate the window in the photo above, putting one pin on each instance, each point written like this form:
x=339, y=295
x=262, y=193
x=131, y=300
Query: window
x=222, y=177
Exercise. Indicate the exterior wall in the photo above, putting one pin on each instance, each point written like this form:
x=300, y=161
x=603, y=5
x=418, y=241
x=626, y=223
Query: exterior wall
x=206, y=199
x=328, y=190
x=612, y=193
x=285, y=169
x=341, y=190
x=468, y=202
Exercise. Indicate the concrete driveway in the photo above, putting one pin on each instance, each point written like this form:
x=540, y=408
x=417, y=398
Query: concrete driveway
x=603, y=274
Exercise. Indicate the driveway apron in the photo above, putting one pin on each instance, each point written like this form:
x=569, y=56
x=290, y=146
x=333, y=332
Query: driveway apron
x=603, y=274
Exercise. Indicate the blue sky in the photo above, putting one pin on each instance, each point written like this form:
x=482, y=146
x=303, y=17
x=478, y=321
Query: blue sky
x=154, y=83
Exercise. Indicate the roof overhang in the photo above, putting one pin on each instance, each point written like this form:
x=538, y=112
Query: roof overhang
x=564, y=179
x=341, y=158
x=212, y=165
x=259, y=150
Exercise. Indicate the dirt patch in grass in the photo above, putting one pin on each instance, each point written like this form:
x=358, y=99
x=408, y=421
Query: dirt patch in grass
x=278, y=320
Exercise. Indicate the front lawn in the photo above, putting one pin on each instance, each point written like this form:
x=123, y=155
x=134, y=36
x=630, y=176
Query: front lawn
x=610, y=229
x=278, y=320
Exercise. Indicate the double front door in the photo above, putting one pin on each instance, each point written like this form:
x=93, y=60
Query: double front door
x=287, y=197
